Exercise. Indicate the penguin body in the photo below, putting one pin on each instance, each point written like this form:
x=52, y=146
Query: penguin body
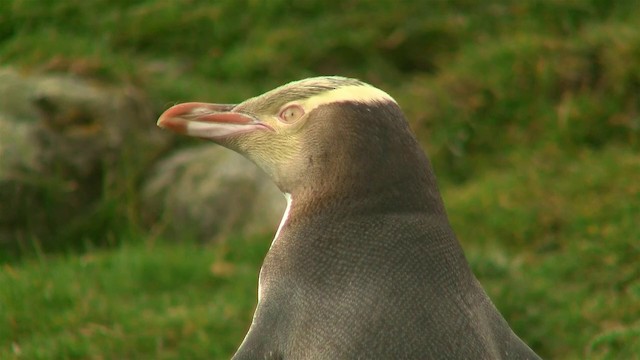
x=364, y=264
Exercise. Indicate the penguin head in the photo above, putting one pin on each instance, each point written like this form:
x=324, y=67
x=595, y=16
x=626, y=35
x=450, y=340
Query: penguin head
x=305, y=133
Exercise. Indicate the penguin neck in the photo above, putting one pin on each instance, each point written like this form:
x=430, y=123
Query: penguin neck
x=409, y=188
x=311, y=213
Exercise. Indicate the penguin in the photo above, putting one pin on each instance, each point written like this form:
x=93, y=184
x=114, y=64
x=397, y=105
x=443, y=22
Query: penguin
x=364, y=264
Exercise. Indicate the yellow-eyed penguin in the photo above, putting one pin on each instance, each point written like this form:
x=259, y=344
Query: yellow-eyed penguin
x=364, y=264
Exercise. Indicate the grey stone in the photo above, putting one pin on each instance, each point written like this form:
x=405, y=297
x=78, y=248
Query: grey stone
x=208, y=192
x=64, y=141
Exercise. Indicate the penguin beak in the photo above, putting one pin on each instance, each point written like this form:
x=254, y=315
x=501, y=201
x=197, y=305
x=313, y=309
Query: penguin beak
x=209, y=121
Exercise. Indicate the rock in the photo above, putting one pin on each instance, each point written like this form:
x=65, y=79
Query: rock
x=64, y=141
x=207, y=192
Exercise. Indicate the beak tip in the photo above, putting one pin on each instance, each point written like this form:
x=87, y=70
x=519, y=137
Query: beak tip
x=173, y=124
x=163, y=121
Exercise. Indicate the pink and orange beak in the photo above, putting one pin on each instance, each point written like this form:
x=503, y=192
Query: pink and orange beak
x=209, y=121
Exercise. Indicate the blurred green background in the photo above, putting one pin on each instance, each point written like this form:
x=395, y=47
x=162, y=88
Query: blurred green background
x=529, y=110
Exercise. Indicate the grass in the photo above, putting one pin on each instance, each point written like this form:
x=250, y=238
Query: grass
x=568, y=259
x=529, y=111
x=164, y=301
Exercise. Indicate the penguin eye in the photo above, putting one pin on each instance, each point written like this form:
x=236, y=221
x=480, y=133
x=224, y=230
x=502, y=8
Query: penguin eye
x=291, y=113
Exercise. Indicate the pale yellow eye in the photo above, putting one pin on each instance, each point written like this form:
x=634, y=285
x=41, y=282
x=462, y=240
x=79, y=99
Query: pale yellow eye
x=291, y=113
